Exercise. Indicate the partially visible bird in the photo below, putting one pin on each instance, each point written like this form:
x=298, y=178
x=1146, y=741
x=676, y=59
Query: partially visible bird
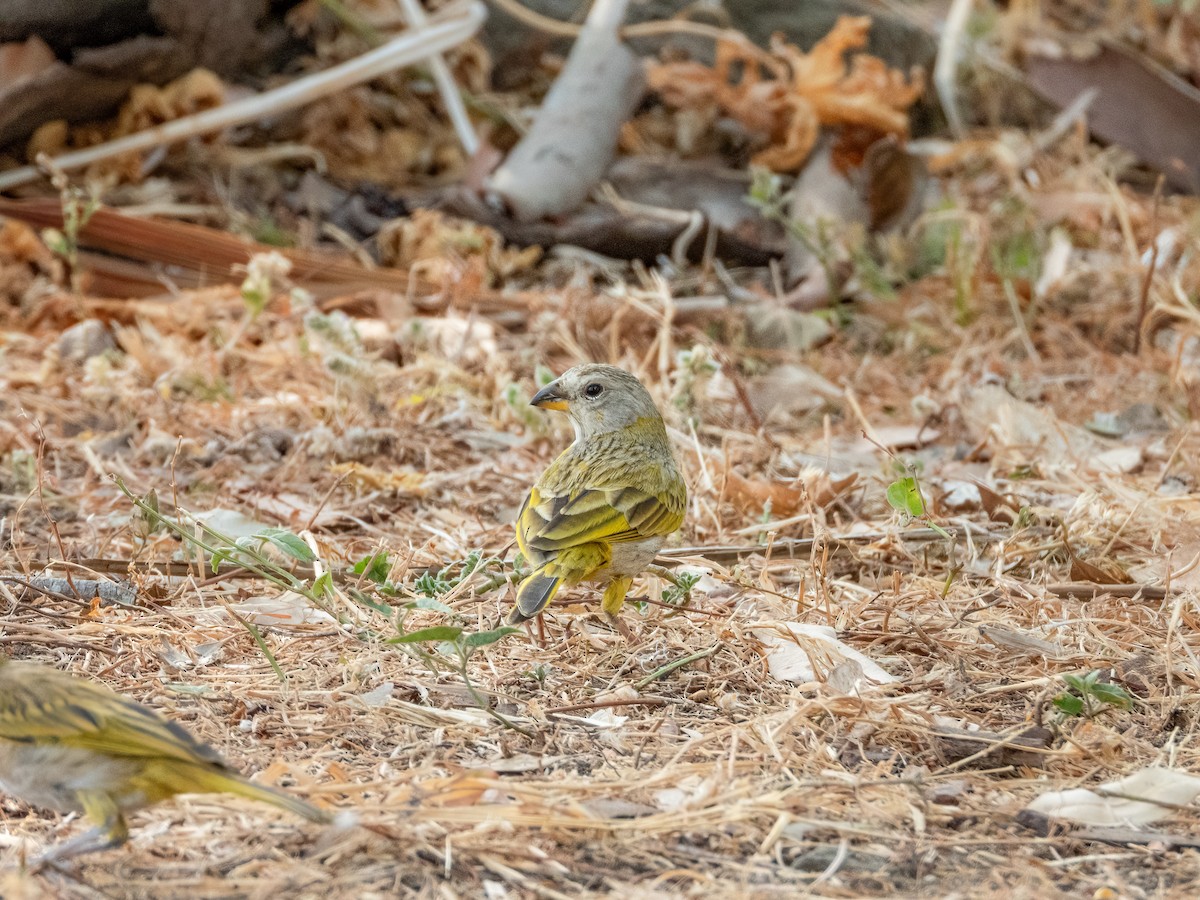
x=606, y=505
x=73, y=745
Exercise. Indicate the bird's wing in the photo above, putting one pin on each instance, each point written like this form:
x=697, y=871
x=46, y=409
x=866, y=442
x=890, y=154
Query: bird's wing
x=603, y=514
x=53, y=710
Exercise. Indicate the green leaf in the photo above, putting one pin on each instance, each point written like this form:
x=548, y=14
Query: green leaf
x=483, y=638
x=323, y=586
x=369, y=602
x=436, y=633
x=288, y=543
x=1112, y=694
x=375, y=567
x=1070, y=704
x=430, y=603
x=904, y=496
x=1076, y=682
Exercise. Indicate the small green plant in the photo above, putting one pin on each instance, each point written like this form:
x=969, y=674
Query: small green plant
x=263, y=272
x=693, y=368
x=518, y=403
x=77, y=211
x=682, y=588
x=953, y=241
x=247, y=552
x=819, y=238
x=444, y=647
x=1087, y=696
x=904, y=495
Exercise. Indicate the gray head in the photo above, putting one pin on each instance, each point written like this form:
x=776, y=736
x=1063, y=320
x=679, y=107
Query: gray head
x=598, y=398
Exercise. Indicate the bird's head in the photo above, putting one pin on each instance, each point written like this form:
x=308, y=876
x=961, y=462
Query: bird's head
x=598, y=398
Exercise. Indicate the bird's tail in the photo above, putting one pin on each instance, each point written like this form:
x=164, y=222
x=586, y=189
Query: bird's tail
x=533, y=595
x=186, y=778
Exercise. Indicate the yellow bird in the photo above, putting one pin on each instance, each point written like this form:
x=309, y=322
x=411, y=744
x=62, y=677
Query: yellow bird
x=73, y=745
x=606, y=505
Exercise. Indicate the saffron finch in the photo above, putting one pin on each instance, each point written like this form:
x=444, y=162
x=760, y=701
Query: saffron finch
x=73, y=745
x=606, y=505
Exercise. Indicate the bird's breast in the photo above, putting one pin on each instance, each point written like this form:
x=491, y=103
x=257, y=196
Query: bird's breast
x=52, y=776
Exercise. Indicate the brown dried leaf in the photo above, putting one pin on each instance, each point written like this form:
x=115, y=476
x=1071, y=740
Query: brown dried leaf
x=997, y=507
x=1102, y=571
x=371, y=479
x=787, y=95
x=441, y=246
x=813, y=486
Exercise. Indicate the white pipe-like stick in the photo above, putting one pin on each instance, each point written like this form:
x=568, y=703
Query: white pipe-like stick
x=415, y=44
x=573, y=140
x=945, y=70
x=444, y=79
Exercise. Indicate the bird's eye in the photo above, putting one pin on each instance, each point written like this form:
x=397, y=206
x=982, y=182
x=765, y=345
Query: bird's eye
x=593, y=390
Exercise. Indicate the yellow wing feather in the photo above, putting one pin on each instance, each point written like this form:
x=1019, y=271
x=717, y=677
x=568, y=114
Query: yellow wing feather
x=609, y=516
x=42, y=706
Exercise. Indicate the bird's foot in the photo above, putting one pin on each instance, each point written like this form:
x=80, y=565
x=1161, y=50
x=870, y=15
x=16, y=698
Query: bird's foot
x=630, y=638
x=92, y=841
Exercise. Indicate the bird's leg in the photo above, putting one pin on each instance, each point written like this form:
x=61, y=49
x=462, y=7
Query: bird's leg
x=111, y=832
x=541, y=628
x=614, y=599
x=630, y=638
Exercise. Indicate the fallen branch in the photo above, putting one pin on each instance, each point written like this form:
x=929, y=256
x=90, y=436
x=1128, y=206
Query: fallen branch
x=574, y=138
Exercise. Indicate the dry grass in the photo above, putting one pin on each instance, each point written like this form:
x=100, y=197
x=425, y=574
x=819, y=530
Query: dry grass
x=713, y=779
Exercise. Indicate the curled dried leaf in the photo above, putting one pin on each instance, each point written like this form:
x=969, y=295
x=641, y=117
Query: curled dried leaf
x=786, y=95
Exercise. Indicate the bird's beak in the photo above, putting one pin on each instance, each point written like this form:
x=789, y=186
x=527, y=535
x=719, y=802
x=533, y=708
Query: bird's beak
x=549, y=398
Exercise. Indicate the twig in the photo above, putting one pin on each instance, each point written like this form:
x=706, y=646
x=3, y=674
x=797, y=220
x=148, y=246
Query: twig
x=444, y=79
x=83, y=589
x=1144, y=298
x=788, y=548
x=608, y=704
x=1090, y=589
x=656, y=28
x=676, y=664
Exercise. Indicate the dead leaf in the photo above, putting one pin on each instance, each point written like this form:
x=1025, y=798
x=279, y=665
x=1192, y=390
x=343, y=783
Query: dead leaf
x=288, y=608
x=1103, y=571
x=21, y=60
x=368, y=478
x=1135, y=800
x=439, y=246
x=997, y=507
x=786, y=95
x=804, y=653
x=814, y=486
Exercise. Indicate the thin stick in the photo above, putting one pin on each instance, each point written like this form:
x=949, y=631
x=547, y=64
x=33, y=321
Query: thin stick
x=1144, y=299
x=676, y=664
x=444, y=79
x=608, y=704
